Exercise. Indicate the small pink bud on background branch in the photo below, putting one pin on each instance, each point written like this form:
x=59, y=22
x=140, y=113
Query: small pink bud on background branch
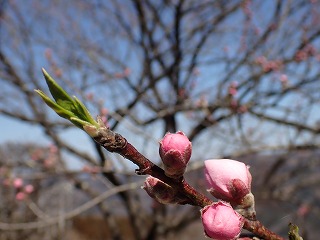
x=18, y=182
x=20, y=196
x=28, y=188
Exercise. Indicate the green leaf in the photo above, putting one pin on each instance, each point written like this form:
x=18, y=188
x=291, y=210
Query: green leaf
x=78, y=122
x=83, y=111
x=61, y=97
x=66, y=106
x=57, y=108
x=294, y=232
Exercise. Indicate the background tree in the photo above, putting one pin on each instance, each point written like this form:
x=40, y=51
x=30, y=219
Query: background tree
x=238, y=77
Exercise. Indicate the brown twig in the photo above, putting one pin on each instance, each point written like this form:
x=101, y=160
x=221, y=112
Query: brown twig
x=258, y=229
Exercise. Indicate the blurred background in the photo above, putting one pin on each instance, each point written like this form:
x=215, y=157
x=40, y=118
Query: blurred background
x=240, y=78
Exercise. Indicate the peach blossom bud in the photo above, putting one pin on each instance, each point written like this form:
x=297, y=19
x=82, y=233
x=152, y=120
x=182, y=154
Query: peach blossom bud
x=20, y=196
x=17, y=182
x=28, y=189
x=221, y=222
x=48, y=53
x=58, y=72
x=36, y=155
x=243, y=109
x=234, y=104
x=6, y=182
x=49, y=162
x=182, y=92
x=227, y=179
x=53, y=148
x=261, y=60
x=196, y=71
x=159, y=190
x=127, y=72
x=234, y=84
x=283, y=78
x=90, y=96
x=105, y=121
x=257, y=31
x=303, y=210
x=232, y=91
x=104, y=111
x=175, y=151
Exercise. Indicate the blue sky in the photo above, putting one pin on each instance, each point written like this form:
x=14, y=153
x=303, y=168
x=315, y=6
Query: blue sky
x=15, y=131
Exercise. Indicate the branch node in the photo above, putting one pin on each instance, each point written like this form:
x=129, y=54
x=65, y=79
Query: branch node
x=110, y=140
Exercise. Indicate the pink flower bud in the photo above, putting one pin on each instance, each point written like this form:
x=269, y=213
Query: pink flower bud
x=127, y=72
x=18, y=183
x=28, y=189
x=160, y=191
x=227, y=179
x=53, y=148
x=90, y=96
x=104, y=111
x=232, y=91
x=20, y=196
x=303, y=210
x=175, y=152
x=221, y=222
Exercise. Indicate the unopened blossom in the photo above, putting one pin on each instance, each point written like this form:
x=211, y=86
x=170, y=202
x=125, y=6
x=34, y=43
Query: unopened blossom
x=303, y=209
x=221, y=222
x=104, y=111
x=28, y=189
x=18, y=182
x=90, y=96
x=53, y=148
x=159, y=190
x=227, y=179
x=20, y=196
x=230, y=180
x=243, y=109
x=232, y=90
x=284, y=80
x=175, y=151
